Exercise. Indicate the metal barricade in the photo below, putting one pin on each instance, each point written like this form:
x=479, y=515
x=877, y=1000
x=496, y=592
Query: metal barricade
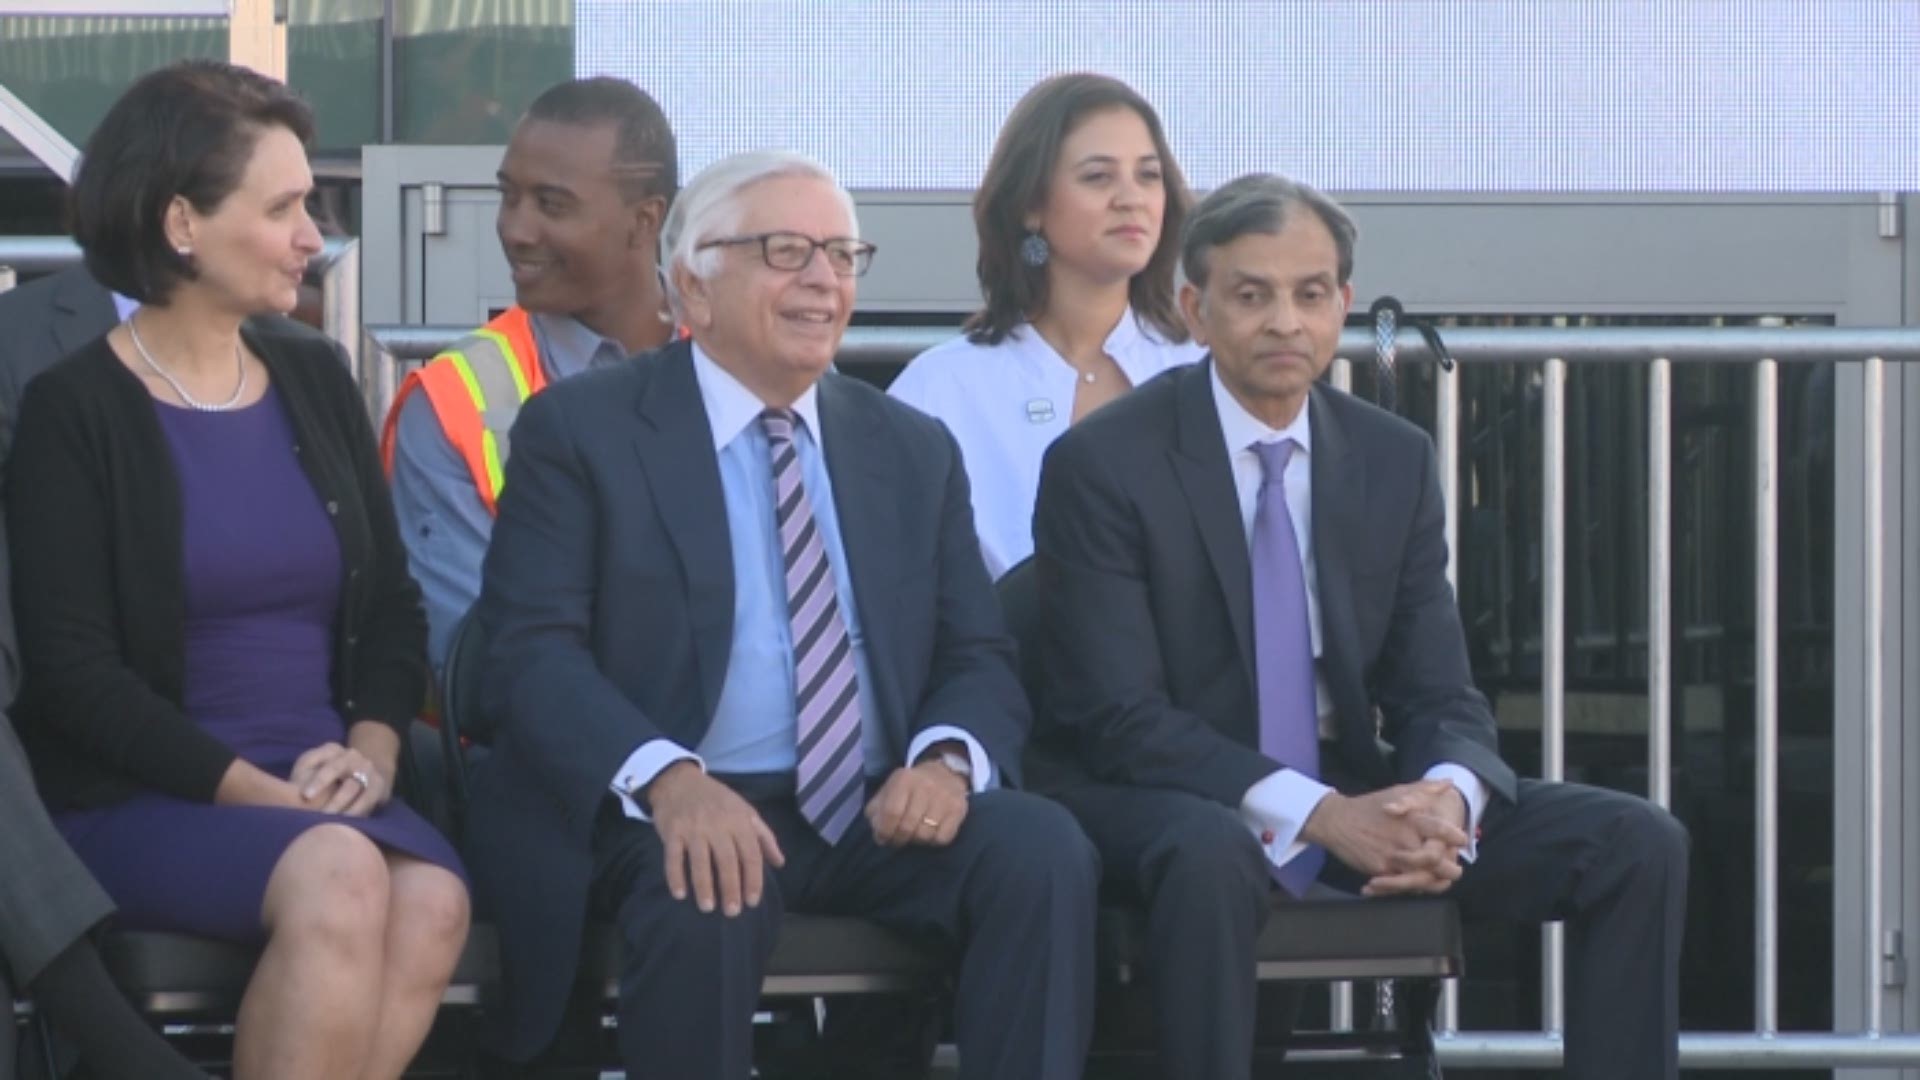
x=1764, y=348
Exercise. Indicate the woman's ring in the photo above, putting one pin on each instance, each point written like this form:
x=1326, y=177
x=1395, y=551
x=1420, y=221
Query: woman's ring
x=360, y=777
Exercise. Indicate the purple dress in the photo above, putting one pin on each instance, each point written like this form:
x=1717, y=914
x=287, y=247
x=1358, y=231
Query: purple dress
x=263, y=580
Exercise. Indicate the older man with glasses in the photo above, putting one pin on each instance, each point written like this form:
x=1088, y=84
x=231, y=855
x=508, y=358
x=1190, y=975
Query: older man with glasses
x=747, y=660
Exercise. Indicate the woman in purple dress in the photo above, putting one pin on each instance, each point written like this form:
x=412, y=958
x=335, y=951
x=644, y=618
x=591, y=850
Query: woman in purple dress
x=221, y=642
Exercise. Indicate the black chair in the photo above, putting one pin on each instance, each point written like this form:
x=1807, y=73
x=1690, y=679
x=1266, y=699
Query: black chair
x=1404, y=946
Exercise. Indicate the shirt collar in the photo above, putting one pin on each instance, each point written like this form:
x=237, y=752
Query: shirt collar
x=569, y=347
x=1133, y=344
x=731, y=406
x=125, y=306
x=1242, y=429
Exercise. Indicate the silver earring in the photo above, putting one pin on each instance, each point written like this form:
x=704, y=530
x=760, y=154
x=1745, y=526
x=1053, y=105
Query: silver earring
x=183, y=251
x=1034, y=250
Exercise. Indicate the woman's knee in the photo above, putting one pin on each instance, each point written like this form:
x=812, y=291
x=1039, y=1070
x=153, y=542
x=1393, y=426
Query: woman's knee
x=331, y=884
x=430, y=910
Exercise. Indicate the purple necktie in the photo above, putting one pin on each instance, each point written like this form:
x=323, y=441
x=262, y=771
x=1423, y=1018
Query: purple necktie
x=1283, y=649
x=830, y=774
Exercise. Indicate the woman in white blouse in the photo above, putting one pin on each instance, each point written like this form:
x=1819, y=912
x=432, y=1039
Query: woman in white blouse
x=1079, y=223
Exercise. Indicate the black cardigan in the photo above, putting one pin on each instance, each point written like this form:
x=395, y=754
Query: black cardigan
x=94, y=523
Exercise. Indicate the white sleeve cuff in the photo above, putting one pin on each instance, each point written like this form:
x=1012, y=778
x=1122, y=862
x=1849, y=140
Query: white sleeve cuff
x=983, y=778
x=642, y=766
x=1471, y=788
x=1277, y=808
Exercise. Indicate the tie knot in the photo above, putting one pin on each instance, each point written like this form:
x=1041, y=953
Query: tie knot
x=1273, y=459
x=779, y=424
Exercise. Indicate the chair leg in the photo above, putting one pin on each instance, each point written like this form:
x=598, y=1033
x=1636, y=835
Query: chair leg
x=1417, y=1001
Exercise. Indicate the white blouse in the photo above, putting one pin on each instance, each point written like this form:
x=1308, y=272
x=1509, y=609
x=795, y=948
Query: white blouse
x=1005, y=404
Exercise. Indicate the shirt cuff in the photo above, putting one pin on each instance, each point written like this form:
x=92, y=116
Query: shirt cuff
x=982, y=779
x=1474, y=790
x=642, y=766
x=1277, y=808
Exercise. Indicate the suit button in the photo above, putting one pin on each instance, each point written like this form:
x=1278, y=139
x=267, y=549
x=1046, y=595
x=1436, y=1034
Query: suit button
x=353, y=639
x=333, y=508
x=349, y=703
x=353, y=574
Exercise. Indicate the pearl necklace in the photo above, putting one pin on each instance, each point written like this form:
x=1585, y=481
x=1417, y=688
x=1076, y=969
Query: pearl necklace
x=188, y=399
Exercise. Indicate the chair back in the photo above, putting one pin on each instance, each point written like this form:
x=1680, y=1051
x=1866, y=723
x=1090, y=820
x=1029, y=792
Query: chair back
x=460, y=682
x=1019, y=590
x=464, y=725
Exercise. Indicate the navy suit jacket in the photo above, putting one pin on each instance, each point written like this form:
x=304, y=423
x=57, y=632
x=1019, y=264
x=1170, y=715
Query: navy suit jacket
x=608, y=599
x=1142, y=563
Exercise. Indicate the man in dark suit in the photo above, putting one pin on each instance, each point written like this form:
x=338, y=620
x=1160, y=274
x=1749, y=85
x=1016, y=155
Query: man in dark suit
x=746, y=659
x=1256, y=658
x=42, y=321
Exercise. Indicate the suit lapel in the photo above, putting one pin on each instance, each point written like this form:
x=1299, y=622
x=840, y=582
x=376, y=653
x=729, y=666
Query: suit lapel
x=82, y=311
x=1205, y=473
x=675, y=447
x=1339, y=504
x=866, y=492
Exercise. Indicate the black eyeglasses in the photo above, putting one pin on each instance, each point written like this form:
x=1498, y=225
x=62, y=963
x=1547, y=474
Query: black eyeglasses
x=792, y=251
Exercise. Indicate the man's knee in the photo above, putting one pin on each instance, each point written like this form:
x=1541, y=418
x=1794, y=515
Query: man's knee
x=655, y=925
x=1658, y=839
x=1204, y=847
x=1031, y=842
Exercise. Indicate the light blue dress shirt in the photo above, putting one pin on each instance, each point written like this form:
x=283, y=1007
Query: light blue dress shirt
x=442, y=520
x=754, y=728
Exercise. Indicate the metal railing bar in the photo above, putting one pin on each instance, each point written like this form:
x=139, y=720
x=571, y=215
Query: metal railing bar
x=1766, y=672
x=1874, y=468
x=1698, y=1050
x=1553, y=652
x=1660, y=582
x=1446, y=427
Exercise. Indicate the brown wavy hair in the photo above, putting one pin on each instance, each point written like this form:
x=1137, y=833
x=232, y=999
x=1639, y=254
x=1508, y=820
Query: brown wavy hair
x=1018, y=176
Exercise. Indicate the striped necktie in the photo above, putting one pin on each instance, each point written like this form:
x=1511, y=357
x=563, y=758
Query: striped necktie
x=830, y=774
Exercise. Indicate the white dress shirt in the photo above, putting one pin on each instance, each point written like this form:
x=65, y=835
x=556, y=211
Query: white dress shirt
x=731, y=409
x=1278, y=806
x=1005, y=404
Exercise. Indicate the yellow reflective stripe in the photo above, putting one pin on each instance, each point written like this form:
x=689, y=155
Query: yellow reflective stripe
x=513, y=362
x=491, y=448
x=460, y=365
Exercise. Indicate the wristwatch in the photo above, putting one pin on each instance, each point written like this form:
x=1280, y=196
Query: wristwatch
x=960, y=764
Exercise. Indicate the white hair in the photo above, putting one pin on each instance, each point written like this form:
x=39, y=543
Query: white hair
x=710, y=207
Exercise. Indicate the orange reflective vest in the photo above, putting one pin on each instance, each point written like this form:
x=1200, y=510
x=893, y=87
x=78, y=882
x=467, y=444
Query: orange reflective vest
x=476, y=389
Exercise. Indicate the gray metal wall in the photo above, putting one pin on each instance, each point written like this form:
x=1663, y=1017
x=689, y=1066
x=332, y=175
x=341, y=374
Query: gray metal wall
x=1587, y=255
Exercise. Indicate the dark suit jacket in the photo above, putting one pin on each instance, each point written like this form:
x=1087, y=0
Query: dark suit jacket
x=40, y=322
x=1147, y=590
x=608, y=599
